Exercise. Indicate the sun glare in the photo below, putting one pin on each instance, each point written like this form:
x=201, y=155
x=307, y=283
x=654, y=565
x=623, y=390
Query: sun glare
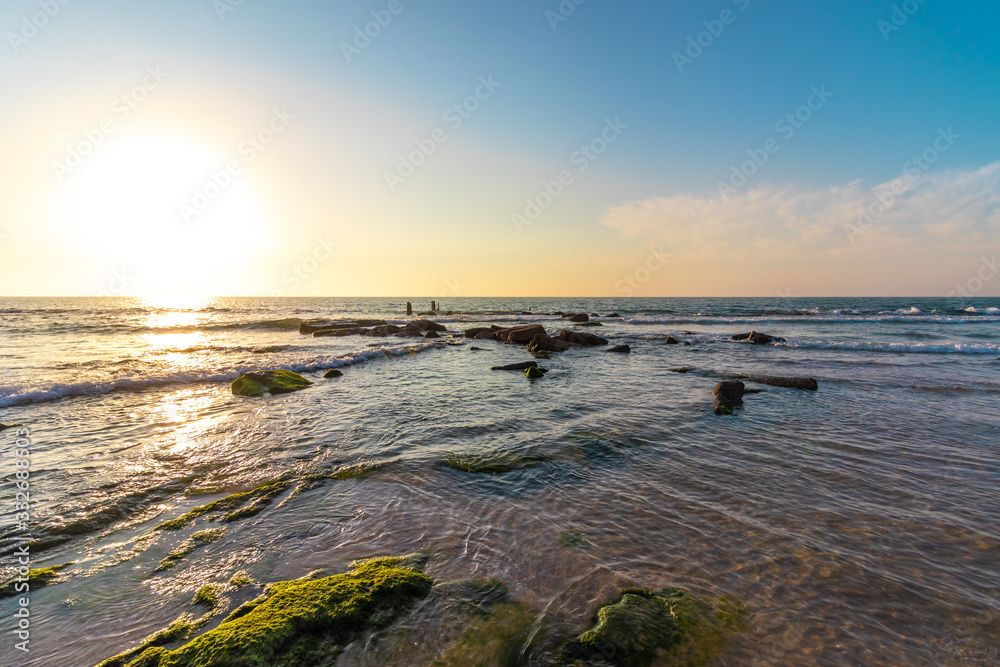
x=124, y=207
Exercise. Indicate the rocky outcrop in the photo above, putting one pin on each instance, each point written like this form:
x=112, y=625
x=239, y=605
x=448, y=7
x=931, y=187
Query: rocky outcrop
x=757, y=338
x=275, y=382
x=520, y=335
x=383, y=331
x=581, y=338
x=338, y=333
x=488, y=334
x=579, y=317
x=432, y=334
x=333, y=373
x=728, y=395
x=425, y=325
x=672, y=341
x=546, y=343
x=623, y=349
x=312, y=326
x=475, y=331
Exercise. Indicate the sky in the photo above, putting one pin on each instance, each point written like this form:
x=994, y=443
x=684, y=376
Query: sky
x=516, y=148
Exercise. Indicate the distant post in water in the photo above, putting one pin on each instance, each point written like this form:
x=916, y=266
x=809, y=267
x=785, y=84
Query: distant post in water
x=433, y=306
x=409, y=308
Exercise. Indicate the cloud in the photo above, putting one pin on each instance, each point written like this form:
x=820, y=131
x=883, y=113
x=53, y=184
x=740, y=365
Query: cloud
x=952, y=212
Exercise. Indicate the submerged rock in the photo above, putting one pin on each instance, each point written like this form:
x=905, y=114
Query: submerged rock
x=4, y=427
x=493, y=462
x=669, y=627
x=300, y=622
x=624, y=349
x=758, y=338
x=37, y=578
x=807, y=384
x=672, y=341
x=276, y=382
x=612, y=315
x=334, y=373
x=312, y=326
x=728, y=395
x=516, y=367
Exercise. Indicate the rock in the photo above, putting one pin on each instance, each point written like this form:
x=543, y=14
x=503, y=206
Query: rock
x=624, y=349
x=729, y=392
x=534, y=373
x=516, y=367
x=475, y=331
x=520, y=335
x=579, y=317
x=559, y=313
x=668, y=627
x=425, y=325
x=672, y=341
x=475, y=349
x=4, y=427
x=687, y=344
x=612, y=315
x=334, y=373
x=806, y=384
x=546, y=343
x=276, y=382
x=312, y=326
x=383, y=331
x=486, y=335
x=338, y=333
x=683, y=369
x=432, y=334
x=581, y=338
x=409, y=333
x=758, y=338
x=722, y=409
x=590, y=324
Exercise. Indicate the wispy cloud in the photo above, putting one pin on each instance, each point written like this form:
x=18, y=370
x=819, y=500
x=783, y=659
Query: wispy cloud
x=944, y=212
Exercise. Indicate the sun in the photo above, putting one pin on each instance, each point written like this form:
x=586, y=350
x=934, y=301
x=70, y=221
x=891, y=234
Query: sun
x=128, y=207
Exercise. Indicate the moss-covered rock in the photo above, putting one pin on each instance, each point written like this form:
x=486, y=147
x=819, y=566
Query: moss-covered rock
x=37, y=578
x=499, y=638
x=669, y=627
x=495, y=463
x=207, y=595
x=241, y=579
x=258, y=383
x=233, y=505
x=301, y=622
x=149, y=652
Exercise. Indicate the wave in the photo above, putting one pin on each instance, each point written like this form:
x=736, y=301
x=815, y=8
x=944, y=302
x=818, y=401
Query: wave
x=956, y=348
x=13, y=395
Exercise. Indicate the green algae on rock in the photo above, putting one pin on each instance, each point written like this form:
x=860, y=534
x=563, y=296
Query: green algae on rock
x=671, y=627
x=149, y=652
x=301, y=622
x=257, y=383
x=500, y=637
x=37, y=578
x=241, y=579
x=207, y=595
x=233, y=505
x=495, y=463
x=186, y=547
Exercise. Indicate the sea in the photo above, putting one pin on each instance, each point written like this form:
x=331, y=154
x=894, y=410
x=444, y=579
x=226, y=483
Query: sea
x=859, y=523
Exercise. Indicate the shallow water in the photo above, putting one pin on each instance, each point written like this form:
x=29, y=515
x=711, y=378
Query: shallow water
x=859, y=523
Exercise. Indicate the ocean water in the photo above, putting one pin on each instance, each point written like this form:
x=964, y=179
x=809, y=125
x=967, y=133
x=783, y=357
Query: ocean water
x=860, y=523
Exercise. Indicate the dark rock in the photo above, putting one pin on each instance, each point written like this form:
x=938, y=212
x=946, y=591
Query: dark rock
x=335, y=373
x=579, y=317
x=758, y=338
x=383, y=331
x=807, y=384
x=475, y=331
x=489, y=334
x=687, y=344
x=535, y=373
x=432, y=334
x=672, y=341
x=546, y=343
x=612, y=315
x=516, y=367
x=425, y=325
x=4, y=427
x=475, y=349
x=624, y=349
x=683, y=369
x=338, y=333
x=723, y=409
x=594, y=315
x=581, y=338
x=590, y=324
x=559, y=312
x=729, y=392
x=520, y=335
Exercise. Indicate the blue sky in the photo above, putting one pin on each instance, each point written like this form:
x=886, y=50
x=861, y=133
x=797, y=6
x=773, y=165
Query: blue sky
x=898, y=74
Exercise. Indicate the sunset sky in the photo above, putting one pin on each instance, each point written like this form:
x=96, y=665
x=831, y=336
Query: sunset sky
x=522, y=148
